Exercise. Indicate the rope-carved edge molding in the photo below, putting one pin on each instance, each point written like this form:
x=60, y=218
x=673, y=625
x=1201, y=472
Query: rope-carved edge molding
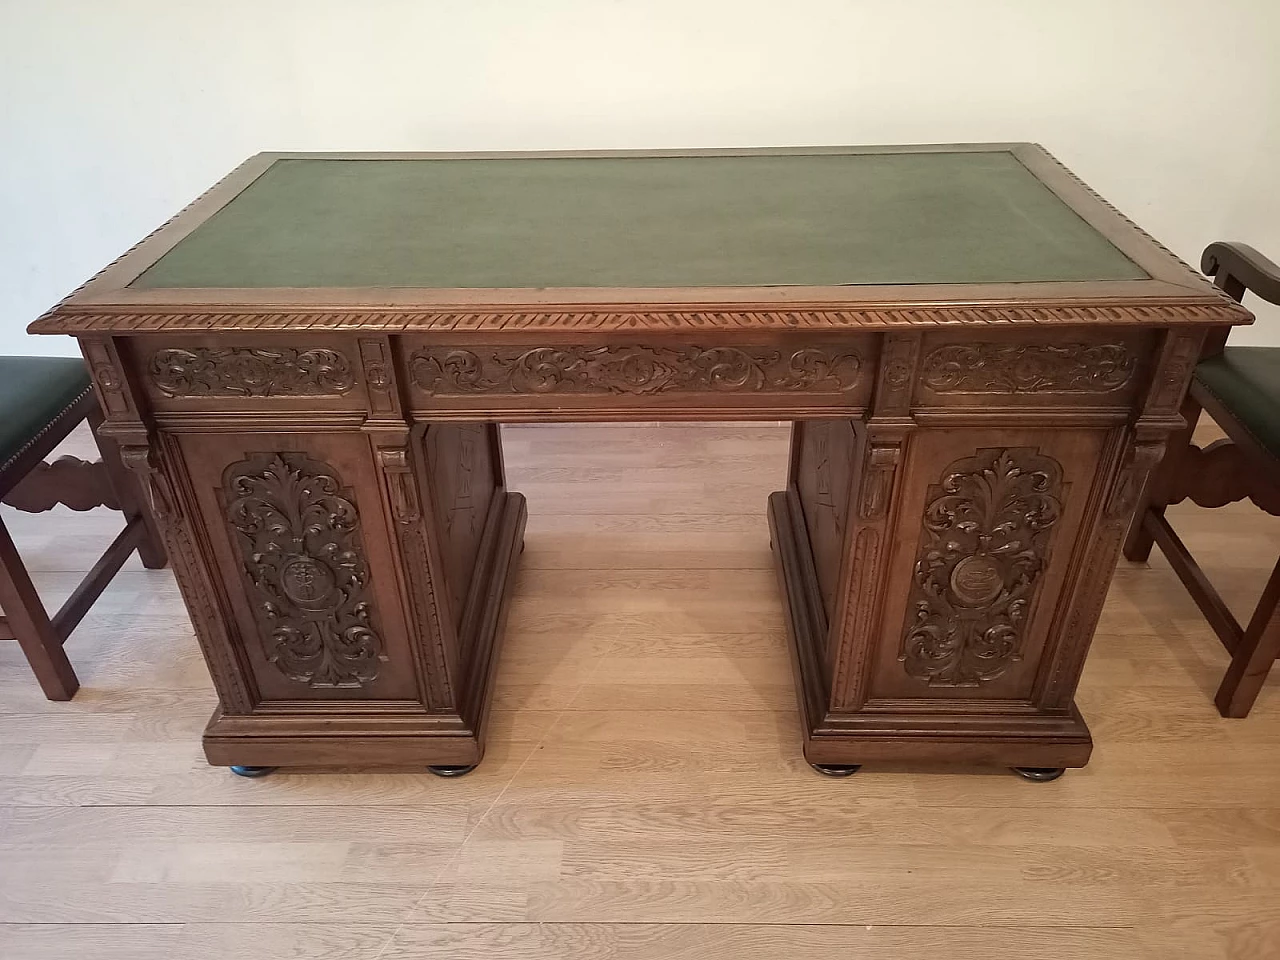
x=401, y=321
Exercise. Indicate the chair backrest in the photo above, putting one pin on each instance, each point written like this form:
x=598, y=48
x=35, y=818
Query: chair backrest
x=1237, y=267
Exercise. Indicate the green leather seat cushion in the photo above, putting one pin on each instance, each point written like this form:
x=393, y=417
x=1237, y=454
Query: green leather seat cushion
x=1247, y=381
x=33, y=391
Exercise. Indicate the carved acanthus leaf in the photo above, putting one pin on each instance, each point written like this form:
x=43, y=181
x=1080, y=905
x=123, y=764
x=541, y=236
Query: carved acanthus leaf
x=1028, y=368
x=298, y=533
x=635, y=370
x=984, y=546
x=250, y=372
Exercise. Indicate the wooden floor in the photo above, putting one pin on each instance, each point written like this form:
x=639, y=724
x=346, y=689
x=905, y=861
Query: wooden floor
x=613, y=818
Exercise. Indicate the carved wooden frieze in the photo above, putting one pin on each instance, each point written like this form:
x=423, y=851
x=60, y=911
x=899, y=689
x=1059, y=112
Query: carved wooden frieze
x=298, y=533
x=634, y=370
x=1028, y=368
x=984, y=546
x=250, y=372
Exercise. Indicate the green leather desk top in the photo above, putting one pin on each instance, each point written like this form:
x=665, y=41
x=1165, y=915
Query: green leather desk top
x=691, y=221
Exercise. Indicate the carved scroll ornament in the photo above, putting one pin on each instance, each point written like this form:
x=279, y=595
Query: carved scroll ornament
x=635, y=370
x=984, y=546
x=1028, y=368
x=298, y=533
x=244, y=372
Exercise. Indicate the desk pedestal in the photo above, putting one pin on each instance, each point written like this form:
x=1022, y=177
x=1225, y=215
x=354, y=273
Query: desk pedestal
x=337, y=514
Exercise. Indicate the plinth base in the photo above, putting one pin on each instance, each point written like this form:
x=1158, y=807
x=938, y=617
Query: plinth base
x=978, y=732
x=392, y=733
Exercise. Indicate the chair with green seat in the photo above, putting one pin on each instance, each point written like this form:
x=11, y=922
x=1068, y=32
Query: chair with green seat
x=42, y=399
x=1239, y=387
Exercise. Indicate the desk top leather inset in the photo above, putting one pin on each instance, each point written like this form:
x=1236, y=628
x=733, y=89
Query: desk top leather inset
x=643, y=222
x=769, y=239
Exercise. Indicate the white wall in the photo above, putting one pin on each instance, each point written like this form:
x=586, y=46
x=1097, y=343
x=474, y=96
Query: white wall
x=115, y=114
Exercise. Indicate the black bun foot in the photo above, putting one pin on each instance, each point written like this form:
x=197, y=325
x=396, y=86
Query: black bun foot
x=1040, y=774
x=452, y=771
x=837, y=769
x=251, y=772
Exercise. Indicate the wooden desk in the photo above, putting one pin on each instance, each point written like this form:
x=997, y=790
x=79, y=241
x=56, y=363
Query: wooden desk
x=308, y=365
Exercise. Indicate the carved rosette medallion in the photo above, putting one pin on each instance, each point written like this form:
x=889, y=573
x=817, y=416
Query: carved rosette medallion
x=1028, y=368
x=634, y=370
x=984, y=546
x=244, y=372
x=298, y=533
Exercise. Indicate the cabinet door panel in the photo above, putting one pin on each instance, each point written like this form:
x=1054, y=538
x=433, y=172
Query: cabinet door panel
x=983, y=542
x=300, y=538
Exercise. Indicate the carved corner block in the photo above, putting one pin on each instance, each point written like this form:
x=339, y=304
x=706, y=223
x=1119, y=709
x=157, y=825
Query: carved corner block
x=379, y=376
x=1178, y=358
x=398, y=470
x=899, y=359
x=1142, y=457
x=108, y=376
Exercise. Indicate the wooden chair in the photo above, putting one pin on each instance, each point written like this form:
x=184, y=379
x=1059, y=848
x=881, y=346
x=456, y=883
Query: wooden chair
x=42, y=399
x=1239, y=387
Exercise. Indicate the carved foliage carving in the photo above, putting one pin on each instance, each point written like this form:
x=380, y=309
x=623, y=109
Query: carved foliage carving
x=984, y=546
x=298, y=533
x=1028, y=368
x=635, y=370
x=246, y=372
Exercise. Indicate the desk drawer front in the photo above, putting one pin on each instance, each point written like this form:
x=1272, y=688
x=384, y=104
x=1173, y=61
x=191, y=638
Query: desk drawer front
x=642, y=375
x=1067, y=370
x=231, y=374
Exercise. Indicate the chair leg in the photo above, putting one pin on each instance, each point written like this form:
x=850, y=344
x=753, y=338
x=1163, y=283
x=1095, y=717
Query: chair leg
x=1138, y=541
x=30, y=625
x=129, y=493
x=1252, y=659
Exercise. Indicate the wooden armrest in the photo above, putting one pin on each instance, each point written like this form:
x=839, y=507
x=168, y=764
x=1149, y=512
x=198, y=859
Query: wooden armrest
x=1245, y=264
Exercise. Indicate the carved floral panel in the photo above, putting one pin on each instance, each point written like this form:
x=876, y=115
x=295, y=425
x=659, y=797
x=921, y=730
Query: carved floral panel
x=246, y=372
x=298, y=534
x=984, y=546
x=1028, y=368
x=634, y=370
